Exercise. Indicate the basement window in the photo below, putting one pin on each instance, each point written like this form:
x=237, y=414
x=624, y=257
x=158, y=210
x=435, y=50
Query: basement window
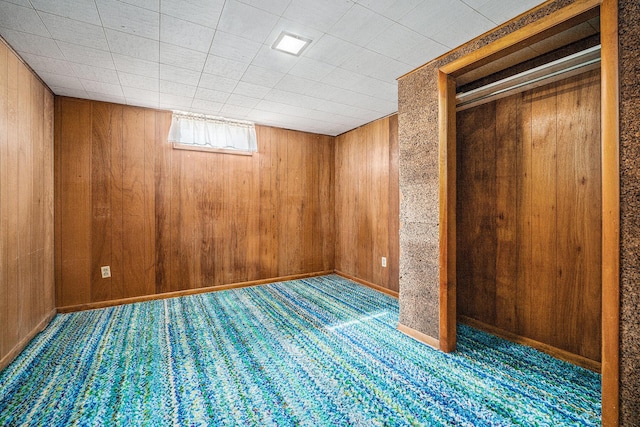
x=190, y=131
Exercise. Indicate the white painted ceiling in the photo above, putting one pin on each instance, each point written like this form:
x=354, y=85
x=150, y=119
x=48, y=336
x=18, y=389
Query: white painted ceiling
x=215, y=56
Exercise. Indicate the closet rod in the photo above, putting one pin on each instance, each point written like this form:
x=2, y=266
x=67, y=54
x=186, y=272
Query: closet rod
x=571, y=65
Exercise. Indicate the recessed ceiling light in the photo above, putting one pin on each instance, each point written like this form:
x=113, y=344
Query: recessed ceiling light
x=290, y=43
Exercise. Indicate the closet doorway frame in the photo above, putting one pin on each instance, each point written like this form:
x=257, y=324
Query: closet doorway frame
x=554, y=23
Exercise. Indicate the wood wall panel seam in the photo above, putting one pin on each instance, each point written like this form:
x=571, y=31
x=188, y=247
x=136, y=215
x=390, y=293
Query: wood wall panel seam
x=205, y=206
x=26, y=184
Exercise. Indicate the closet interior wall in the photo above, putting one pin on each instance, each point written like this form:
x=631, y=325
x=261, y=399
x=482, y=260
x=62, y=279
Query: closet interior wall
x=529, y=214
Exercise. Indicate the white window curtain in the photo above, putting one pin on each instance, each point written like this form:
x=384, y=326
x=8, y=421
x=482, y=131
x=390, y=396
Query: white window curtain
x=212, y=132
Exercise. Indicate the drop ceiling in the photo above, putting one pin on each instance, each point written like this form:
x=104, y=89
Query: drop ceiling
x=215, y=56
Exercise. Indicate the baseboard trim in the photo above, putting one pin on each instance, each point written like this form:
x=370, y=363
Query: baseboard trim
x=164, y=295
x=368, y=284
x=575, y=359
x=17, y=349
x=419, y=336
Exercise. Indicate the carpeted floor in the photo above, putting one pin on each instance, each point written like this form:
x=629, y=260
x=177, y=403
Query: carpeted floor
x=315, y=352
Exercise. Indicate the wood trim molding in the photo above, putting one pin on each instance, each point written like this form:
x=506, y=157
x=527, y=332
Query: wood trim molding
x=565, y=18
x=368, y=284
x=111, y=303
x=592, y=365
x=447, y=212
x=610, y=125
x=419, y=336
x=188, y=147
x=577, y=12
x=15, y=351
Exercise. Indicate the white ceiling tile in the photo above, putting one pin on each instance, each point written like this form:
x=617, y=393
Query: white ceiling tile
x=68, y=30
x=360, y=25
x=133, y=46
x=65, y=91
x=225, y=67
x=138, y=66
x=365, y=61
x=203, y=12
x=211, y=95
x=174, y=88
x=401, y=43
x=246, y=21
x=140, y=94
x=262, y=76
x=451, y=21
x=277, y=107
x=180, y=75
x=182, y=57
x=249, y=89
x=139, y=82
x=88, y=72
x=317, y=14
x=233, y=47
x=146, y=4
x=392, y=9
x=500, y=11
x=276, y=7
x=343, y=78
x=274, y=60
x=234, y=111
x=58, y=80
x=78, y=10
x=294, y=84
x=86, y=55
x=21, y=18
x=43, y=64
x=293, y=27
x=105, y=97
x=331, y=50
x=175, y=101
x=390, y=70
x=242, y=101
x=206, y=107
x=26, y=3
x=210, y=81
x=311, y=69
x=31, y=43
x=143, y=103
x=102, y=88
x=185, y=34
x=129, y=19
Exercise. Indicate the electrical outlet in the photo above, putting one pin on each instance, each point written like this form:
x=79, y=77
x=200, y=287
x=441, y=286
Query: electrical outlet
x=384, y=261
x=106, y=271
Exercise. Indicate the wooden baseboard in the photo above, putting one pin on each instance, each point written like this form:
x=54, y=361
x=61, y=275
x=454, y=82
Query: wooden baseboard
x=368, y=284
x=143, y=298
x=15, y=351
x=582, y=361
x=419, y=336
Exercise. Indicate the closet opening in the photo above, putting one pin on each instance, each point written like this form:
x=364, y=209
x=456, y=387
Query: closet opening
x=529, y=190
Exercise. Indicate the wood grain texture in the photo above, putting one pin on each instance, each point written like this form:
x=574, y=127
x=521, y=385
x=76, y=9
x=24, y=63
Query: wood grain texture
x=366, y=203
x=529, y=215
x=394, y=206
x=26, y=220
x=610, y=115
x=447, y=193
x=170, y=220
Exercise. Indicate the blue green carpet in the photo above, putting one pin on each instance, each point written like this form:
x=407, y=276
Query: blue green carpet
x=315, y=352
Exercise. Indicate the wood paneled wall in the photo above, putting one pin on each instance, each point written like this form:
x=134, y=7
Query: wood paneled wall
x=169, y=220
x=26, y=205
x=367, y=203
x=529, y=214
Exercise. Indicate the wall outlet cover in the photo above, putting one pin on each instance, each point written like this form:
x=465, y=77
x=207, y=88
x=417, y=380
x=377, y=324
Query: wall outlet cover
x=106, y=271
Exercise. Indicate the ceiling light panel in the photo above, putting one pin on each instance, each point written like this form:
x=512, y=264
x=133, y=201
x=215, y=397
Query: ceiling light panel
x=291, y=43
